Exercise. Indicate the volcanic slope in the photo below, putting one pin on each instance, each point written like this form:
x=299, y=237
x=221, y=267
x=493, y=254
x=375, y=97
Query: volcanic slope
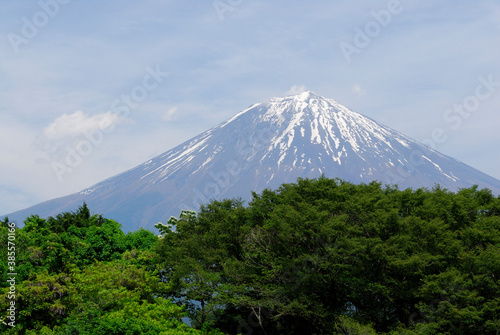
x=265, y=145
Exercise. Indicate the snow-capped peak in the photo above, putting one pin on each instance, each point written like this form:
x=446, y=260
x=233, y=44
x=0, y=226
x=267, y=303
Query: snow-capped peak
x=270, y=143
x=306, y=96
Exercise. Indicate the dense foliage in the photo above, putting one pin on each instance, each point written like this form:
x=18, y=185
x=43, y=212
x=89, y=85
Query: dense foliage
x=318, y=256
x=328, y=257
x=80, y=274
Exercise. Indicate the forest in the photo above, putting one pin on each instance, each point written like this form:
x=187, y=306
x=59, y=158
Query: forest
x=318, y=256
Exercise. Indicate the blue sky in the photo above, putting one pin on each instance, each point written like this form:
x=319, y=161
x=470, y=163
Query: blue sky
x=67, y=67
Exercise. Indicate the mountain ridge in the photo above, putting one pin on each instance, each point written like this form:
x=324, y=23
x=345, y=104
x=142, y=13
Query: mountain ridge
x=265, y=145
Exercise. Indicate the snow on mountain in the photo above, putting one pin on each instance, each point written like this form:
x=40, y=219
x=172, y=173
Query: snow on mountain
x=263, y=146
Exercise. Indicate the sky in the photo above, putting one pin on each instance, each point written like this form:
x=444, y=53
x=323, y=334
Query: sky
x=89, y=89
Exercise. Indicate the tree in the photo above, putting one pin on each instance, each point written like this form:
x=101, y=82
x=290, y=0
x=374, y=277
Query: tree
x=326, y=256
x=193, y=256
x=80, y=274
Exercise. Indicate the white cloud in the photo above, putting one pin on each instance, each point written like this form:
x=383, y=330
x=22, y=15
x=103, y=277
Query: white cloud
x=169, y=114
x=296, y=89
x=77, y=123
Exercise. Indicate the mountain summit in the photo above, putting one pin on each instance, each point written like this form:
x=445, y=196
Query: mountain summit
x=265, y=145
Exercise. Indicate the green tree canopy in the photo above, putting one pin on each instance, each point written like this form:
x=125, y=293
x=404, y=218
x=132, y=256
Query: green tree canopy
x=326, y=256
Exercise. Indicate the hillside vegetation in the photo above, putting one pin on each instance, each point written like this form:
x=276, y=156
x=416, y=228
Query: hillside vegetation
x=319, y=256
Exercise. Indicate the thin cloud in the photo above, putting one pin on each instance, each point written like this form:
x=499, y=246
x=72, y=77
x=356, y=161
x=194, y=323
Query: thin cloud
x=78, y=123
x=296, y=89
x=170, y=114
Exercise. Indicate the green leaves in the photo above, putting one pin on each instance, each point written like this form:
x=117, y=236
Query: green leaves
x=326, y=256
x=315, y=257
x=80, y=274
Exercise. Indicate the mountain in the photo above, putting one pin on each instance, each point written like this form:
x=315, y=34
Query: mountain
x=265, y=145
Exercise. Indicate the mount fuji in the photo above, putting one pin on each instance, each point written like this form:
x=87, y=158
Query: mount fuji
x=263, y=146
